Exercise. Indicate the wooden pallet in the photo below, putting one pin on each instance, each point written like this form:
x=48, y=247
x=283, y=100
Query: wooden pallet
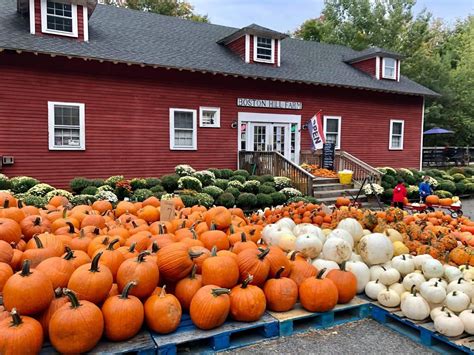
x=230, y=335
x=299, y=320
x=141, y=344
x=422, y=332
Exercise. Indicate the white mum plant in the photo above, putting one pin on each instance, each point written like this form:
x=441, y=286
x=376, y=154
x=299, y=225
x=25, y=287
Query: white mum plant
x=406, y=171
x=106, y=195
x=373, y=189
x=235, y=183
x=412, y=189
x=432, y=181
x=184, y=170
x=58, y=192
x=290, y=192
x=281, y=182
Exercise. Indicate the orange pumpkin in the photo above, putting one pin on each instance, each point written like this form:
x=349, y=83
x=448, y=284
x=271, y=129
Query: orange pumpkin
x=281, y=293
x=317, y=294
x=163, y=312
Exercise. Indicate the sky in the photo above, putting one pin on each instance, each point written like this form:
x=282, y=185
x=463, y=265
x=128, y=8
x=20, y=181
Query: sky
x=287, y=15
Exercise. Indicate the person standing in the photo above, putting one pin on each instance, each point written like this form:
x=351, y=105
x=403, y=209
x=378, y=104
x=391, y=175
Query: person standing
x=399, y=194
x=424, y=189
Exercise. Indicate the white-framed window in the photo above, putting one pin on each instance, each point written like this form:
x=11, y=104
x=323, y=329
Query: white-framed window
x=209, y=117
x=396, y=134
x=66, y=125
x=59, y=18
x=332, y=130
x=183, y=129
x=264, y=49
x=389, y=70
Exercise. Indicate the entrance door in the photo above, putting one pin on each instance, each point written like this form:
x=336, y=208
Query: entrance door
x=269, y=137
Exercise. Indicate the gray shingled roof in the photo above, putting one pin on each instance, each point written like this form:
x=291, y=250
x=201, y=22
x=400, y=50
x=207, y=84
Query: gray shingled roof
x=253, y=29
x=372, y=52
x=123, y=35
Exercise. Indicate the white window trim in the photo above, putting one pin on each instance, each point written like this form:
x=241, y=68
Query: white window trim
x=390, y=147
x=377, y=68
x=255, y=59
x=51, y=125
x=398, y=70
x=247, y=48
x=217, y=123
x=32, y=17
x=44, y=23
x=384, y=75
x=172, y=146
x=279, y=52
x=339, y=120
x=85, y=20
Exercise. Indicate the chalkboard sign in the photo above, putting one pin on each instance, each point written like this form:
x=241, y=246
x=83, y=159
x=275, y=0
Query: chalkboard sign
x=328, y=155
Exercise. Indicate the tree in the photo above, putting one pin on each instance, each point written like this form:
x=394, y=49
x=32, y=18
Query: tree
x=176, y=8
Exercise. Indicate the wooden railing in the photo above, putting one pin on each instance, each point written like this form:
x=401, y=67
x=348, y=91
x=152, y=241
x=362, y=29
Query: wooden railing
x=273, y=163
x=344, y=160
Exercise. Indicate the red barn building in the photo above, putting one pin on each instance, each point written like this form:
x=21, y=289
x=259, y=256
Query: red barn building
x=95, y=90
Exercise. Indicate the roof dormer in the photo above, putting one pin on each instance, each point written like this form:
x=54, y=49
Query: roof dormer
x=378, y=63
x=256, y=44
x=63, y=18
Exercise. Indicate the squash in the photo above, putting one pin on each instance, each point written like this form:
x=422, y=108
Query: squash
x=373, y=288
x=163, y=312
x=58, y=269
x=432, y=268
x=301, y=269
x=404, y=264
x=352, y=226
x=328, y=265
x=432, y=199
x=308, y=228
x=247, y=302
x=317, y=294
x=414, y=306
x=342, y=234
x=413, y=279
x=432, y=292
x=467, y=318
x=457, y=301
x=6, y=252
x=345, y=282
x=5, y=273
x=254, y=262
x=337, y=250
x=210, y=307
x=20, y=335
x=375, y=249
x=449, y=324
x=309, y=245
x=222, y=271
x=281, y=293
x=389, y=276
x=388, y=298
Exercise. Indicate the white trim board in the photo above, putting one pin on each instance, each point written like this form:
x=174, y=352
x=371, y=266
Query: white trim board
x=339, y=130
x=44, y=22
x=421, y=133
x=390, y=147
x=255, y=59
x=172, y=129
x=85, y=21
x=32, y=17
x=247, y=48
x=51, y=125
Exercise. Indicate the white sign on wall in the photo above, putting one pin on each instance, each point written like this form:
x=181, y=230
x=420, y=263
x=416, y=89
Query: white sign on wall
x=287, y=105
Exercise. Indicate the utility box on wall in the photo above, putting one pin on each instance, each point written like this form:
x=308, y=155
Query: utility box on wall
x=8, y=160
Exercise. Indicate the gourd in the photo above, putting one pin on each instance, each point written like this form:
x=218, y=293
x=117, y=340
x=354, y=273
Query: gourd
x=361, y=272
x=247, y=302
x=186, y=288
x=222, y=271
x=352, y=226
x=6, y=252
x=375, y=272
x=448, y=324
x=389, y=276
x=432, y=268
x=433, y=293
x=342, y=234
x=328, y=265
x=278, y=259
x=375, y=249
x=163, y=312
x=345, y=282
x=309, y=245
x=439, y=310
x=301, y=269
x=58, y=269
x=414, y=306
x=420, y=259
x=467, y=318
x=394, y=235
x=287, y=242
x=308, y=228
x=281, y=293
x=441, y=282
x=317, y=294
x=337, y=250
x=286, y=223
x=404, y=264
x=413, y=279
x=175, y=261
x=388, y=298
x=20, y=335
x=457, y=301
x=373, y=288
x=452, y=273
x=462, y=285
x=399, y=248
x=254, y=262
x=210, y=307
x=272, y=233
x=397, y=287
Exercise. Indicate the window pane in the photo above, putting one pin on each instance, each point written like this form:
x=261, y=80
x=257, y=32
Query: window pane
x=264, y=48
x=331, y=138
x=396, y=128
x=66, y=116
x=183, y=138
x=67, y=137
x=243, y=136
x=183, y=119
x=389, y=63
x=396, y=141
x=332, y=125
x=59, y=16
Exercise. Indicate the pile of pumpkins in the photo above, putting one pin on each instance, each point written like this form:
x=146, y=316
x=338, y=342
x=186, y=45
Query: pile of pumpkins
x=423, y=287
x=77, y=275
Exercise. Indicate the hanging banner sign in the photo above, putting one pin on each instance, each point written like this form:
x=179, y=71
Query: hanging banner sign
x=315, y=129
x=288, y=105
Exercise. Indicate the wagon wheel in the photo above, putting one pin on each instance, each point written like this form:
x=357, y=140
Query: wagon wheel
x=455, y=214
x=429, y=209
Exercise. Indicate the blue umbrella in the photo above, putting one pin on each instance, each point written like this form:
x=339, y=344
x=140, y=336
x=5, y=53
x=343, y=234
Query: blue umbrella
x=437, y=130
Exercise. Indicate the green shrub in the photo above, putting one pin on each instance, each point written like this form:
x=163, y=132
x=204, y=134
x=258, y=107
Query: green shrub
x=390, y=171
x=246, y=201
x=113, y=180
x=443, y=194
x=107, y=195
x=410, y=180
x=233, y=190
x=269, y=183
x=266, y=189
x=221, y=183
x=40, y=190
x=189, y=183
x=226, y=199
x=311, y=199
x=83, y=199
x=159, y=194
x=5, y=183
x=458, y=177
x=206, y=177
x=58, y=192
x=216, y=172
x=78, y=184
x=278, y=198
x=469, y=171
x=387, y=195
x=89, y=190
x=281, y=182
x=152, y=182
x=264, y=200
x=297, y=199
x=447, y=186
x=447, y=177
x=214, y=191
x=241, y=172
x=21, y=184
x=105, y=188
x=456, y=170
x=251, y=186
x=138, y=183
x=184, y=170
x=33, y=200
x=389, y=180
x=434, y=172
x=470, y=188
x=157, y=188
x=141, y=195
x=413, y=192
x=266, y=178
x=253, y=177
x=386, y=185
x=189, y=200
x=238, y=178
x=97, y=182
x=225, y=173
x=170, y=182
x=460, y=188
x=204, y=199
x=236, y=184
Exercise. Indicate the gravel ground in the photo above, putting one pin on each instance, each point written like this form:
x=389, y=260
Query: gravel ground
x=362, y=337
x=468, y=207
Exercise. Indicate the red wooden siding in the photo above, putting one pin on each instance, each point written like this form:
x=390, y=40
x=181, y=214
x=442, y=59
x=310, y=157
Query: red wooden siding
x=80, y=24
x=368, y=66
x=127, y=117
x=238, y=47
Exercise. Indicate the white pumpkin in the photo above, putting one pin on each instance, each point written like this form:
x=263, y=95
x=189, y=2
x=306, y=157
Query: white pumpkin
x=373, y=288
x=327, y=231
x=361, y=272
x=287, y=242
x=404, y=264
x=337, y=249
x=375, y=272
x=388, y=298
x=452, y=273
x=415, y=307
x=457, y=301
x=352, y=226
x=329, y=265
x=420, y=259
x=356, y=257
x=449, y=324
x=272, y=233
x=375, y=249
x=308, y=228
x=413, y=279
x=397, y=287
x=432, y=292
x=342, y=234
x=467, y=272
x=432, y=268
x=287, y=223
x=389, y=276
x=394, y=235
x=438, y=310
x=366, y=232
x=467, y=318
x=462, y=285
x=309, y=245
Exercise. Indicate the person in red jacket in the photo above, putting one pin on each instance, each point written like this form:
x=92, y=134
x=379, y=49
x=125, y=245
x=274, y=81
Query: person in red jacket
x=399, y=194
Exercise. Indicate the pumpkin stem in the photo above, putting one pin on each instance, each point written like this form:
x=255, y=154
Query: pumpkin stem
x=141, y=256
x=132, y=247
x=279, y=272
x=105, y=241
x=37, y=221
x=231, y=229
x=95, y=262
x=72, y=298
x=183, y=224
x=112, y=243
x=127, y=289
x=25, y=268
x=449, y=314
x=163, y=291
x=194, y=255
x=96, y=231
x=6, y=203
x=193, y=232
x=193, y=272
x=263, y=254
x=213, y=226
x=246, y=282
x=404, y=257
x=154, y=247
x=38, y=242
x=293, y=255
x=72, y=229
x=243, y=237
x=413, y=291
x=160, y=229
x=343, y=265
x=16, y=319
x=321, y=273
x=20, y=204
x=214, y=251
x=460, y=279
x=216, y=292
x=64, y=213
x=58, y=293
x=82, y=233
x=134, y=224
x=69, y=254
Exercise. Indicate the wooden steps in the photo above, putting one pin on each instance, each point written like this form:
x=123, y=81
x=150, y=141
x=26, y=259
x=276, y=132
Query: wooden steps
x=327, y=190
